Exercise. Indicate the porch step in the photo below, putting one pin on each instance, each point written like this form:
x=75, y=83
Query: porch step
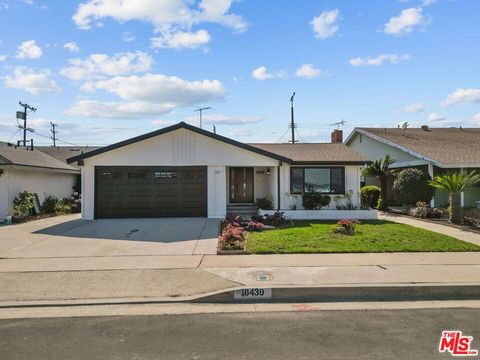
x=244, y=210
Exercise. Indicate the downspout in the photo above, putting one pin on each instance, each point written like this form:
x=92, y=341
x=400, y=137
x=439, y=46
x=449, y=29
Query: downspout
x=278, y=186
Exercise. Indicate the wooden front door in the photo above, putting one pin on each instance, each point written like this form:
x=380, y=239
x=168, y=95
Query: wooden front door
x=241, y=185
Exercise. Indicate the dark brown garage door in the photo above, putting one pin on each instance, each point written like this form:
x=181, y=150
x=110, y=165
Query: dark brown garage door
x=135, y=191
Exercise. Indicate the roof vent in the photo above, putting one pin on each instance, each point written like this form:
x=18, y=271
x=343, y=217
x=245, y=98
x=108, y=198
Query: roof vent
x=425, y=127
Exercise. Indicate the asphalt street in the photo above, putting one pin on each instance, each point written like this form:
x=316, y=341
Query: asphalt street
x=358, y=334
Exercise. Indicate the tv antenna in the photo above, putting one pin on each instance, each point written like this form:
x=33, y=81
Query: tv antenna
x=338, y=124
x=200, y=111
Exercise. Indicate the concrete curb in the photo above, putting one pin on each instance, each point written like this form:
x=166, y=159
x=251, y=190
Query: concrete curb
x=331, y=293
x=358, y=293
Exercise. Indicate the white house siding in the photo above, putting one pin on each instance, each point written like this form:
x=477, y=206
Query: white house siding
x=42, y=182
x=177, y=148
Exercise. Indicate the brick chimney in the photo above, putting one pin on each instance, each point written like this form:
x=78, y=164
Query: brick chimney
x=337, y=136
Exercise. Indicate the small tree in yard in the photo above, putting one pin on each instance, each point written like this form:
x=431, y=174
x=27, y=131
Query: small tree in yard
x=454, y=184
x=381, y=170
x=411, y=186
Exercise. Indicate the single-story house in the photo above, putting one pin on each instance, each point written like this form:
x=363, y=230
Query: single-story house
x=435, y=150
x=27, y=169
x=182, y=170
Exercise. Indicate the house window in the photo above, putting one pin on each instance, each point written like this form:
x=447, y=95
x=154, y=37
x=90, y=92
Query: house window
x=324, y=180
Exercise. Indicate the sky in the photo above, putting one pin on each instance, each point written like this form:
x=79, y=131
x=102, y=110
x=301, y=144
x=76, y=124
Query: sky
x=108, y=70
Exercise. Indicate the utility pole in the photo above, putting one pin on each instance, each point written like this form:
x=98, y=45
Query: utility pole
x=292, y=124
x=53, y=131
x=22, y=115
x=200, y=110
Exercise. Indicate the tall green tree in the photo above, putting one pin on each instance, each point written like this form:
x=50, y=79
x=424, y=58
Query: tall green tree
x=454, y=184
x=381, y=170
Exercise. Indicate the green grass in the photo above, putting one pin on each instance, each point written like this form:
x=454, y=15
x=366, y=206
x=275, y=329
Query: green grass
x=372, y=236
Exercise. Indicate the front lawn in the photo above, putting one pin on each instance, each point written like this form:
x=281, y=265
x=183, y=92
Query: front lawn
x=371, y=236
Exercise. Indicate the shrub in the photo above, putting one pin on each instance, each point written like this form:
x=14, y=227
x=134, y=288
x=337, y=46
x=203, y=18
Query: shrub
x=315, y=201
x=277, y=219
x=232, y=238
x=49, y=204
x=345, y=227
x=64, y=206
x=255, y=226
x=420, y=211
x=469, y=221
x=232, y=219
x=381, y=204
x=23, y=204
x=369, y=196
x=411, y=186
x=265, y=203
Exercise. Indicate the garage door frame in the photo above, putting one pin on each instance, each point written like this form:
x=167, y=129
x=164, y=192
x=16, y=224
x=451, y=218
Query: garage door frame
x=149, y=167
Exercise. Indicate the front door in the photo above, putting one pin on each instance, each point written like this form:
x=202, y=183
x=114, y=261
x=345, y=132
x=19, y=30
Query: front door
x=241, y=185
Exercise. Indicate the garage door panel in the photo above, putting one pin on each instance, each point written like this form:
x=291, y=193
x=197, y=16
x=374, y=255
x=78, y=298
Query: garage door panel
x=150, y=191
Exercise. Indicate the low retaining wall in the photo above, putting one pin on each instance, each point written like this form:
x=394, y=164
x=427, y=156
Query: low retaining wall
x=325, y=214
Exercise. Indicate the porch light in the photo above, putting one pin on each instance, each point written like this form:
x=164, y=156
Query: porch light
x=268, y=171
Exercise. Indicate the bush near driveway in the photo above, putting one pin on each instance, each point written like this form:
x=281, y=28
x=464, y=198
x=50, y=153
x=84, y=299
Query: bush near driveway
x=411, y=186
x=371, y=236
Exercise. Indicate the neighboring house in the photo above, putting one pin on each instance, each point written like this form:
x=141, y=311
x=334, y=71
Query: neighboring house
x=24, y=169
x=183, y=170
x=435, y=150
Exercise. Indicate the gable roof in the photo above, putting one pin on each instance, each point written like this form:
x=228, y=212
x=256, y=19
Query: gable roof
x=20, y=156
x=181, y=125
x=445, y=146
x=315, y=153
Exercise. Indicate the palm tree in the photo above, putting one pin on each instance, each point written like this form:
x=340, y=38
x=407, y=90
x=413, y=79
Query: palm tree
x=454, y=184
x=381, y=170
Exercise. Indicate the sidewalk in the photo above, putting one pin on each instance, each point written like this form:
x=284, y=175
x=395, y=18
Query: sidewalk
x=179, y=278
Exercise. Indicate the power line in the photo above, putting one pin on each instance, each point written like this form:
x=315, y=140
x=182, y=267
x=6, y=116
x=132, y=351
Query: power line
x=15, y=133
x=281, y=137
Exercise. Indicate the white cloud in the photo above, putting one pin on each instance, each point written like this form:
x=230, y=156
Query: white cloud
x=127, y=36
x=325, y=25
x=308, y=71
x=428, y=2
x=182, y=39
x=412, y=108
x=100, y=65
x=29, y=50
x=117, y=110
x=462, y=96
x=148, y=95
x=72, y=47
x=435, y=117
x=405, y=22
x=3, y=58
x=261, y=74
x=241, y=132
x=379, y=60
x=222, y=119
x=34, y=82
x=168, y=17
x=476, y=118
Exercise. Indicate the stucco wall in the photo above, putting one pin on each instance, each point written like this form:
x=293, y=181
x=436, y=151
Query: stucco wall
x=177, y=148
x=43, y=183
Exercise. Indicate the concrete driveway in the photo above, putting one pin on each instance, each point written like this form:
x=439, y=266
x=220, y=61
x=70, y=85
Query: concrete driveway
x=70, y=236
